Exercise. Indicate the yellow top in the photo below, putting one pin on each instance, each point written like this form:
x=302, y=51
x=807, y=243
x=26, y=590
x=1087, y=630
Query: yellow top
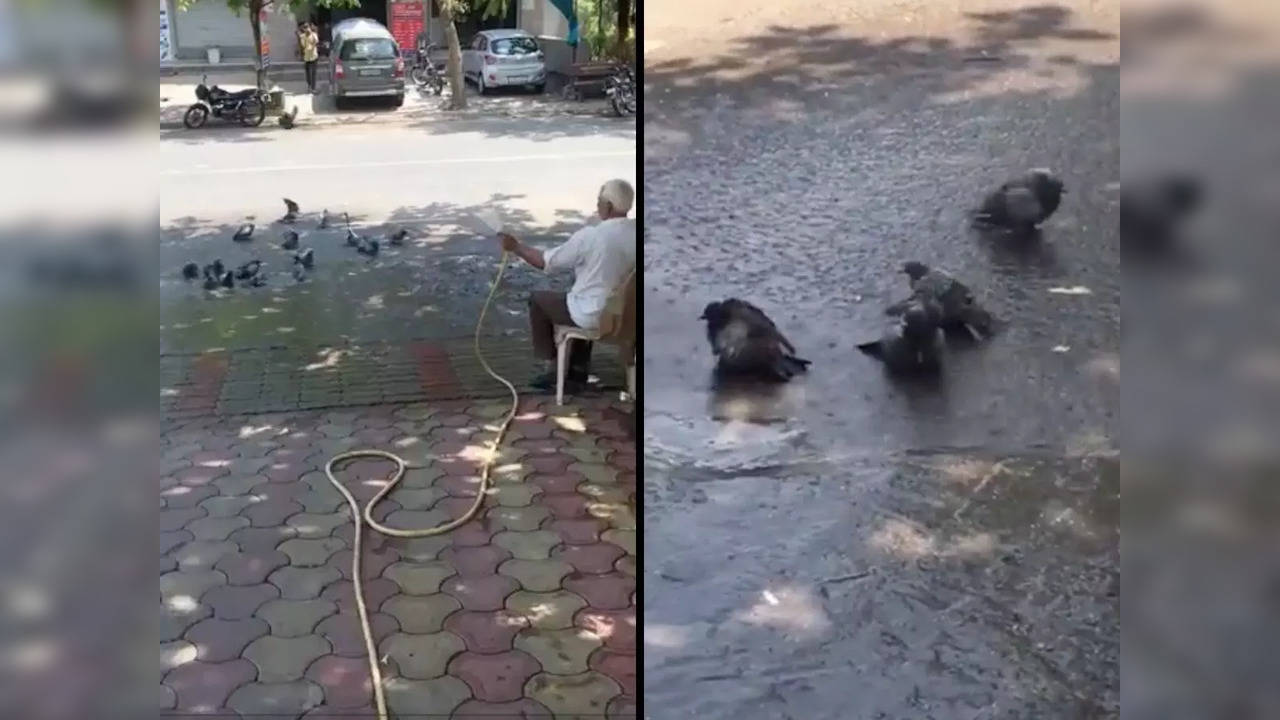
x=309, y=43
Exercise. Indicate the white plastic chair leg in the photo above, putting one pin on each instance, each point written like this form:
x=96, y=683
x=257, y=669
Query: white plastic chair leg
x=562, y=350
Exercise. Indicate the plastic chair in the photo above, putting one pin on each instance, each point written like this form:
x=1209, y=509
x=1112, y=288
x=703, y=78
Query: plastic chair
x=622, y=324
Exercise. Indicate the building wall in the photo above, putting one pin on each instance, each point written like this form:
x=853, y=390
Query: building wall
x=210, y=23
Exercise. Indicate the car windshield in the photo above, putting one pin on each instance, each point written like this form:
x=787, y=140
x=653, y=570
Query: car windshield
x=368, y=49
x=513, y=46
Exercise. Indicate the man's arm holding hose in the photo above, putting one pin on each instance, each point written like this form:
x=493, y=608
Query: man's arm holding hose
x=531, y=255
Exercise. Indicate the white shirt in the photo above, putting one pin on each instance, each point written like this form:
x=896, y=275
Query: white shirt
x=601, y=256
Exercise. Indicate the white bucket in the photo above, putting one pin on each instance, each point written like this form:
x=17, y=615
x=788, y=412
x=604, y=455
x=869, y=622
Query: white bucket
x=215, y=55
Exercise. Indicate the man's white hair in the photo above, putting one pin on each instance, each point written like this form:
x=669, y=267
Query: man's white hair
x=619, y=194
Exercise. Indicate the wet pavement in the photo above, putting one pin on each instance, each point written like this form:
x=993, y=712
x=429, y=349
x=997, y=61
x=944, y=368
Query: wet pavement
x=852, y=546
x=528, y=610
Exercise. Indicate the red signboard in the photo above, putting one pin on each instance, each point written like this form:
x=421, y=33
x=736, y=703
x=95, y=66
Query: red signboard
x=406, y=23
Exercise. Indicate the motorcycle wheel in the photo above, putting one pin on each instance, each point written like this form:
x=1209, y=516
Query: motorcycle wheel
x=195, y=117
x=252, y=113
x=419, y=76
x=630, y=105
x=437, y=86
x=617, y=105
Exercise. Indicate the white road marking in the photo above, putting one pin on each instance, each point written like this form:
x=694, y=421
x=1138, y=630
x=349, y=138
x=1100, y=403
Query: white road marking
x=396, y=163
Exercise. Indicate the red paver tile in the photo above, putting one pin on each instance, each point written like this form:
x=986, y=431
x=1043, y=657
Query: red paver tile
x=623, y=461
x=595, y=559
x=561, y=484
x=475, y=561
x=435, y=370
x=486, y=632
x=244, y=568
x=495, y=678
x=619, y=667
x=346, y=681
x=565, y=505
x=616, y=628
x=325, y=712
x=475, y=533
x=603, y=592
x=621, y=708
x=482, y=594
x=525, y=709
x=222, y=640
x=204, y=686
x=582, y=531
x=343, y=632
x=237, y=602
x=376, y=592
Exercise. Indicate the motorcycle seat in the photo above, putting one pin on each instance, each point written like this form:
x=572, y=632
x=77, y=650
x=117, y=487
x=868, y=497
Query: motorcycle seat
x=218, y=92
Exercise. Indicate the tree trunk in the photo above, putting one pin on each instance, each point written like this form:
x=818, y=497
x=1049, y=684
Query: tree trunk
x=255, y=22
x=457, y=86
x=624, y=26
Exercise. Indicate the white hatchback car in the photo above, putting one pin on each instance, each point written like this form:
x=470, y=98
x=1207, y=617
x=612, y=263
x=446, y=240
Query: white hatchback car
x=499, y=58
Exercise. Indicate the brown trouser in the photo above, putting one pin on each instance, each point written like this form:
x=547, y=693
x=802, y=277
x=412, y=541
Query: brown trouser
x=546, y=310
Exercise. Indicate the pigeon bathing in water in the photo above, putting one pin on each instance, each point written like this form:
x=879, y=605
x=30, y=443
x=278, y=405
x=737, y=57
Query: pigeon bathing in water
x=299, y=274
x=290, y=240
x=244, y=233
x=953, y=301
x=215, y=269
x=1023, y=203
x=747, y=343
x=324, y=219
x=306, y=258
x=290, y=211
x=257, y=281
x=399, y=237
x=916, y=346
x=210, y=281
x=248, y=270
x=353, y=240
x=227, y=280
x=368, y=247
x=287, y=121
x=190, y=271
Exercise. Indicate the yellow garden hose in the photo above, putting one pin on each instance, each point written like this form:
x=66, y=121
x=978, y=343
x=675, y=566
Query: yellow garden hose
x=375, y=672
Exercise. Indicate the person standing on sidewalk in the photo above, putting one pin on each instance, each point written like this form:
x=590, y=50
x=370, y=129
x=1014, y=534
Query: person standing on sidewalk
x=309, y=41
x=601, y=257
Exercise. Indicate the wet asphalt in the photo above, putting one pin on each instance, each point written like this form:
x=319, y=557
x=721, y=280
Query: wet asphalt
x=851, y=546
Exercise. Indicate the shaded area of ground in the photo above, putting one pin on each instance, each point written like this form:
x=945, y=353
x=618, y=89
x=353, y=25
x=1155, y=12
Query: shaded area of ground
x=797, y=163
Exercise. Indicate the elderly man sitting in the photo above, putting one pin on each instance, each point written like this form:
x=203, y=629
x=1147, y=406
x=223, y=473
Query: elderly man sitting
x=601, y=257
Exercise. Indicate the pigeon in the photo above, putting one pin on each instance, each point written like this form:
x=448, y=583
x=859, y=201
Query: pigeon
x=257, y=281
x=324, y=220
x=248, y=270
x=227, y=281
x=747, y=343
x=368, y=247
x=190, y=271
x=290, y=240
x=399, y=237
x=1022, y=203
x=287, y=121
x=215, y=269
x=916, y=345
x=1151, y=211
x=299, y=274
x=353, y=240
x=290, y=211
x=955, y=304
x=210, y=281
x=306, y=258
x=244, y=233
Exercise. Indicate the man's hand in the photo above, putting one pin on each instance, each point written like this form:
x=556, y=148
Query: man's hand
x=509, y=243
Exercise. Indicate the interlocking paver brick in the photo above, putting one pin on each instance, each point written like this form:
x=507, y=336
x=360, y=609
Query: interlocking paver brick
x=416, y=519
x=419, y=578
x=227, y=506
x=222, y=640
x=498, y=677
x=596, y=559
x=303, y=583
x=281, y=660
x=171, y=520
x=580, y=531
x=562, y=652
x=618, y=515
x=621, y=708
x=179, y=614
x=376, y=592
x=478, y=531
x=373, y=562
x=520, y=519
x=536, y=575
x=523, y=708
x=597, y=473
x=168, y=698
x=486, y=632
x=416, y=498
x=535, y=545
x=237, y=602
x=514, y=495
x=203, y=554
x=485, y=593
x=421, y=613
x=606, y=592
x=311, y=552
x=183, y=496
x=294, y=618
x=626, y=565
x=475, y=561
x=206, y=686
x=557, y=484
x=435, y=698
x=346, y=681
x=176, y=652
x=610, y=494
x=191, y=584
x=569, y=695
x=276, y=700
x=616, y=628
x=546, y=611
x=234, y=485
x=459, y=485
x=625, y=539
x=316, y=525
x=420, y=549
x=244, y=568
x=619, y=667
x=196, y=476
x=344, y=634
x=261, y=540
x=216, y=528
x=421, y=657
x=272, y=511
x=566, y=505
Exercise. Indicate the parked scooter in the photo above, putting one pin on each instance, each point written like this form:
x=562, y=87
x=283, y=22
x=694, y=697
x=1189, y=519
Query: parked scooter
x=621, y=89
x=248, y=107
x=425, y=73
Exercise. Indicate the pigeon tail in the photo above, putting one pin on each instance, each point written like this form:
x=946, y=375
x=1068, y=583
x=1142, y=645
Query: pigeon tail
x=874, y=349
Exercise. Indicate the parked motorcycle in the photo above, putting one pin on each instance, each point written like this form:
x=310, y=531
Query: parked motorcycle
x=621, y=89
x=248, y=107
x=426, y=74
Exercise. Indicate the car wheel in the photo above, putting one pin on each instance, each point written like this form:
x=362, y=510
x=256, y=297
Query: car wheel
x=339, y=102
x=540, y=88
x=399, y=101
